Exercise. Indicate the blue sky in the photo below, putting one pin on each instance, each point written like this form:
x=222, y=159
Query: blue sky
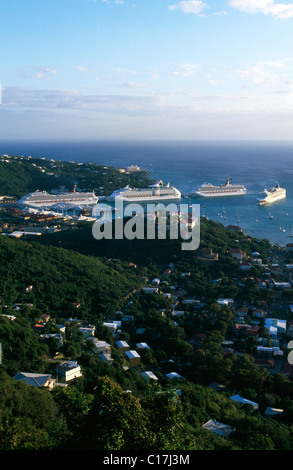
x=146, y=69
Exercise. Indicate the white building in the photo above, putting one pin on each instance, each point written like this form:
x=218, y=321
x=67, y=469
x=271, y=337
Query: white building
x=69, y=370
x=275, y=326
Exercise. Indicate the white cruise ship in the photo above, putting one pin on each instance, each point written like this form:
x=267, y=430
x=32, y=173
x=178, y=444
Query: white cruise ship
x=42, y=199
x=227, y=189
x=155, y=192
x=272, y=195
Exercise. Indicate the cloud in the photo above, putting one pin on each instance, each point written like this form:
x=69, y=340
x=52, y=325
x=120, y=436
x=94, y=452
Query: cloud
x=194, y=6
x=22, y=98
x=134, y=85
x=267, y=7
x=186, y=70
x=189, y=6
x=264, y=73
x=80, y=68
x=45, y=73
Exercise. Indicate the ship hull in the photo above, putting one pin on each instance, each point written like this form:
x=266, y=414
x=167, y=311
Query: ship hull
x=218, y=194
x=50, y=201
x=143, y=198
x=264, y=202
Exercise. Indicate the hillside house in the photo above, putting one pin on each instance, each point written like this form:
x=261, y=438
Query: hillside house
x=276, y=326
x=100, y=346
x=173, y=375
x=133, y=357
x=123, y=346
x=106, y=358
x=148, y=374
x=87, y=331
x=237, y=253
x=216, y=427
x=141, y=346
x=36, y=380
x=244, y=401
x=68, y=370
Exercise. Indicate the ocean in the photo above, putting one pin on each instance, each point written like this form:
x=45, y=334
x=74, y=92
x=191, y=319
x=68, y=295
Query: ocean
x=186, y=164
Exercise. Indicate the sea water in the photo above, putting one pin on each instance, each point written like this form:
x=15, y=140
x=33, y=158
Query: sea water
x=187, y=164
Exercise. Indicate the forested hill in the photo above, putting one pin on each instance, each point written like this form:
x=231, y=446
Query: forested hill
x=62, y=278
x=22, y=175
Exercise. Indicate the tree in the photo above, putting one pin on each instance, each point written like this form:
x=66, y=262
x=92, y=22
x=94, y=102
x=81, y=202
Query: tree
x=116, y=421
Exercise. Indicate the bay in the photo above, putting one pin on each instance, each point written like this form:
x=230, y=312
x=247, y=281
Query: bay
x=187, y=164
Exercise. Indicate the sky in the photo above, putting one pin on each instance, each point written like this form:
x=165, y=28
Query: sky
x=146, y=69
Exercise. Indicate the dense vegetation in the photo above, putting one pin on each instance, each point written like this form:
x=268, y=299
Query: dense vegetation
x=61, y=278
x=22, y=175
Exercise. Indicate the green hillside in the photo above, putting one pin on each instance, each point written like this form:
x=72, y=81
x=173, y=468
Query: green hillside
x=60, y=278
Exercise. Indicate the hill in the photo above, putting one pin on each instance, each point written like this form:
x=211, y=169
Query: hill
x=22, y=175
x=61, y=278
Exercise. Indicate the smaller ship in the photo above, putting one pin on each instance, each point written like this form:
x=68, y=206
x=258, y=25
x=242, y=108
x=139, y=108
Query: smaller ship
x=227, y=189
x=272, y=195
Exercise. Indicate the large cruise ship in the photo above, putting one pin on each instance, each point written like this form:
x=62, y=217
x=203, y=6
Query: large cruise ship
x=154, y=192
x=272, y=195
x=227, y=189
x=42, y=199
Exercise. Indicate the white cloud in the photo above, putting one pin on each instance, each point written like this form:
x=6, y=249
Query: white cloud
x=186, y=70
x=267, y=7
x=264, y=73
x=134, y=85
x=80, y=68
x=189, y=6
x=45, y=73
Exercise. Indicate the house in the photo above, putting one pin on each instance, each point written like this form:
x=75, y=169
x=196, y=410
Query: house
x=247, y=330
x=245, y=266
x=270, y=412
x=174, y=375
x=28, y=288
x=282, y=285
x=237, y=253
x=241, y=312
x=150, y=290
x=106, y=358
x=268, y=363
x=142, y=346
x=258, y=313
x=148, y=375
x=133, y=357
x=276, y=326
x=87, y=331
x=207, y=256
x=223, y=430
x=226, y=302
x=123, y=346
x=100, y=347
x=69, y=370
x=244, y=401
x=178, y=313
x=265, y=351
x=113, y=326
x=36, y=380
